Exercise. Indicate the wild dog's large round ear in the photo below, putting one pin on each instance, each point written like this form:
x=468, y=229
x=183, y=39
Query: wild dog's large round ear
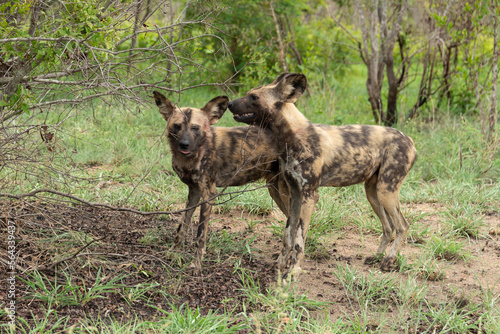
x=278, y=79
x=216, y=108
x=165, y=107
x=290, y=86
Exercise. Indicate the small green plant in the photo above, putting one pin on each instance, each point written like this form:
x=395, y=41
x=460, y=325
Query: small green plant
x=411, y=292
x=50, y=323
x=101, y=286
x=428, y=268
x=281, y=307
x=157, y=235
x=446, y=248
x=277, y=228
x=316, y=250
x=251, y=223
x=53, y=294
x=186, y=320
x=464, y=221
x=490, y=319
x=402, y=263
x=225, y=244
x=69, y=293
x=139, y=292
x=370, y=224
x=418, y=232
x=69, y=240
x=372, y=289
x=256, y=202
x=451, y=318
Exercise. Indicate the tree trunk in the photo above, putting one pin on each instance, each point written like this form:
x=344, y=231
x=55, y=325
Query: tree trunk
x=134, y=38
x=389, y=38
x=492, y=119
x=425, y=90
x=292, y=42
x=280, y=40
x=392, y=96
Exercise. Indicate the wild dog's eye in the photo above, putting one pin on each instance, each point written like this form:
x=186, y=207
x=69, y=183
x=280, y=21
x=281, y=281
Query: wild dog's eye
x=176, y=127
x=195, y=128
x=253, y=97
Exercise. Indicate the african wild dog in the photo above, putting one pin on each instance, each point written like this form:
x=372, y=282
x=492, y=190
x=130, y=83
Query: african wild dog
x=206, y=157
x=314, y=155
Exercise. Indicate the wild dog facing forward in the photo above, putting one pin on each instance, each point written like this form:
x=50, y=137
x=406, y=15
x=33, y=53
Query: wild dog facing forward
x=314, y=155
x=206, y=157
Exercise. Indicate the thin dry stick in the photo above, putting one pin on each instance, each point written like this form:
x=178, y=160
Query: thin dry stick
x=52, y=265
x=114, y=208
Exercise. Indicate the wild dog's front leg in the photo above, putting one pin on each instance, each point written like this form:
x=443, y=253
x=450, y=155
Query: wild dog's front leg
x=290, y=230
x=201, y=236
x=296, y=236
x=193, y=199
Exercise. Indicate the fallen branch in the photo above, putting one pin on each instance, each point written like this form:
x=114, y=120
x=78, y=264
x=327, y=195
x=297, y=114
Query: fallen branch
x=115, y=208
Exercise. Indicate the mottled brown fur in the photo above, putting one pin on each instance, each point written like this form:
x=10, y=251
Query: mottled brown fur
x=314, y=155
x=206, y=157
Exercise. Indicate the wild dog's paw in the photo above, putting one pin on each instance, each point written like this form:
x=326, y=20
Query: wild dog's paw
x=388, y=263
x=285, y=259
x=195, y=266
x=292, y=275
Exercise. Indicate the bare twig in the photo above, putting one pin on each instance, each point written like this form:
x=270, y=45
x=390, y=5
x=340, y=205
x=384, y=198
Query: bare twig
x=116, y=208
x=52, y=265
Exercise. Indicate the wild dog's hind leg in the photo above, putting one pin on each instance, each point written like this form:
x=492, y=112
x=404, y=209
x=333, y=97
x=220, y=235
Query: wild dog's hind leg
x=398, y=160
x=390, y=203
x=280, y=194
x=387, y=224
x=193, y=199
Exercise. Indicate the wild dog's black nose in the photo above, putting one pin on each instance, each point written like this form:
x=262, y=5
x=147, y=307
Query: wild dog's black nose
x=230, y=104
x=184, y=144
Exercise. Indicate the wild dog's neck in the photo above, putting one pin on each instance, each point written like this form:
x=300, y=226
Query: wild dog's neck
x=291, y=128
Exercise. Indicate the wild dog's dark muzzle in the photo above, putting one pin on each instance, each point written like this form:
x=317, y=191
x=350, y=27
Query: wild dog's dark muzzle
x=184, y=145
x=240, y=112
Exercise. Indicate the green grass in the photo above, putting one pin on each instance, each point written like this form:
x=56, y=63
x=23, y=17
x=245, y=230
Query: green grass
x=407, y=306
x=446, y=248
x=280, y=308
x=465, y=221
x=428, y=267
x=69, y=292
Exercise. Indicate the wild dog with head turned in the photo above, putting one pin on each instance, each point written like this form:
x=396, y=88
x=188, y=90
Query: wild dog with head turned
x=314, y=155
x=206, y=157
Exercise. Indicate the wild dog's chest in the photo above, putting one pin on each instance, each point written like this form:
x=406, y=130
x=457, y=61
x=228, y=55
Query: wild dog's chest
x=301, y=152
x=195, y=172
x=187, y=176
x=301, y=167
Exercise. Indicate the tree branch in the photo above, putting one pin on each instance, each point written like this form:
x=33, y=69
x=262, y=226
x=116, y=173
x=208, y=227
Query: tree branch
x=116, y=208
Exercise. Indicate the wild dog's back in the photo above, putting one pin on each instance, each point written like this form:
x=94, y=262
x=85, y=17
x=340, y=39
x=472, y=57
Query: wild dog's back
x=357, y=152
